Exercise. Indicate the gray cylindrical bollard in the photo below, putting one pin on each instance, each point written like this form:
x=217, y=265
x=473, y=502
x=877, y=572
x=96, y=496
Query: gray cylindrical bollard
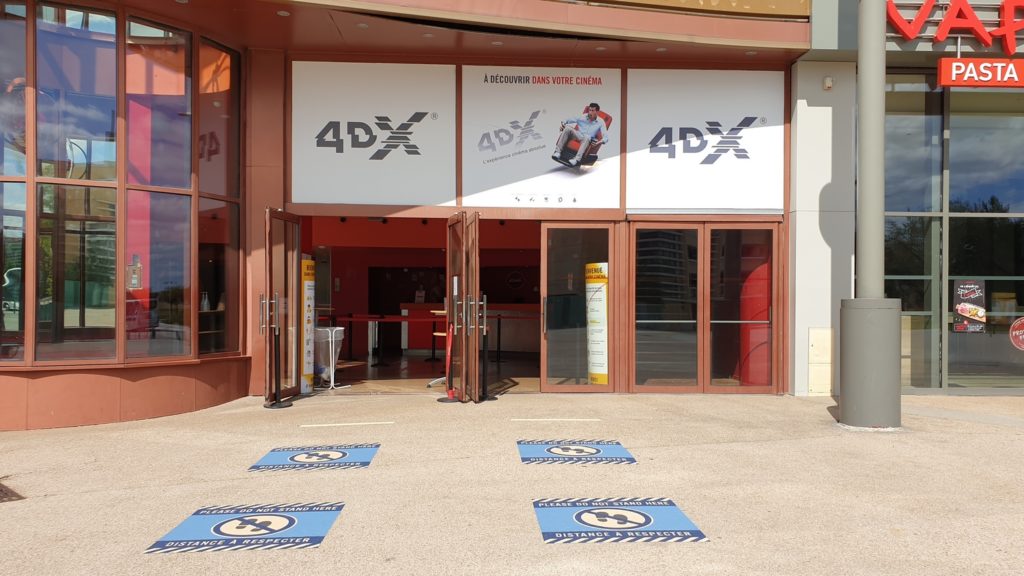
x=869, y=354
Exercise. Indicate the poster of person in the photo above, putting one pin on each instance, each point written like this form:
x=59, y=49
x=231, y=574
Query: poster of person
x=540, y=137
x=969, y=306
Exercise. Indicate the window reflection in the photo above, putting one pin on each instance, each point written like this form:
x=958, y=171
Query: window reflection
x=158, y=255
x=986, y=134
x=12, y=89
x=913, y=143
x=741, y=307
x=666, y=307
x=218, y=120
x=76, y=61
x=75, y=313
x=159, y=84
x=12, y=263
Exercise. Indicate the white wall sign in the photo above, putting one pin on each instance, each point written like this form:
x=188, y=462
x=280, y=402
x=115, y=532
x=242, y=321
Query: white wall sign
x=703, y=141
x=373, y=134
x=511, y=121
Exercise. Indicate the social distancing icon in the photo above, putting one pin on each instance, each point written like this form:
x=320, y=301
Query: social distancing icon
x=573, y=452
x=564, y=520
x=318, y=456
x=256, y=527
x=313, y=457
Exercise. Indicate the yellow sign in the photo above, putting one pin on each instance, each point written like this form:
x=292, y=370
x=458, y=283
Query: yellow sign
x=597, y=322
x=308, y=321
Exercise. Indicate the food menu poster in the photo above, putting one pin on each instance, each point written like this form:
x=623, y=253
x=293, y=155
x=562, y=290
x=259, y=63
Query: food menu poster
x=969, y=306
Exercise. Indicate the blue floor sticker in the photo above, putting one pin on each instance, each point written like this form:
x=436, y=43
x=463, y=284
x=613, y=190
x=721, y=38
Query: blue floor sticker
x=573, y=452
x=257, y=527
x=312, y=457
x=614, y=520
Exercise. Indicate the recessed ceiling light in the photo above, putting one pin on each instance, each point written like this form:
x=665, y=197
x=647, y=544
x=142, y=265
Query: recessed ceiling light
x=428, y=35
x=362, y=25
x=497, y=43
x=751, y=52
x=181, y=1
x=283, y=13
x=661, y=49
x=600, y=48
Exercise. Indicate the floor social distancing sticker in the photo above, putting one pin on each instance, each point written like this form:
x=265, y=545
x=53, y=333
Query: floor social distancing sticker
x=258, y=527
x=614, y=520
x=314, y=457
x=573, y=452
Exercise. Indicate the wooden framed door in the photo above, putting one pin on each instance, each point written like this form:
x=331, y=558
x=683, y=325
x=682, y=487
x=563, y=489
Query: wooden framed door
x=281, y=306
x=578, y=339
x=703, y=297
x=463, y=304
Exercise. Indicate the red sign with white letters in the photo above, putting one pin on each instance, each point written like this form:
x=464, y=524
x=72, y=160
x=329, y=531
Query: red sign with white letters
x=961, y=17
x=981, y=72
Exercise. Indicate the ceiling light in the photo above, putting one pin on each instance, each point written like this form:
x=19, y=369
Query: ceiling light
x=751, y=52
x=428, y=35
x=181, y=1
x=362, y=25
x=600, y=48
x=497, y=43
x=283, y=13
x=661, y=49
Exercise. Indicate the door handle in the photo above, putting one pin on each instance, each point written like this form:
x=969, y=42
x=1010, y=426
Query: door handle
x=272, y=316
x=263, y=319
x=544, y=316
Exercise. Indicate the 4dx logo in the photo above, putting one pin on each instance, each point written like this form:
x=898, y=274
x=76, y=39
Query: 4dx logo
x=504, y=136
x=362, y=135
x=693, y=141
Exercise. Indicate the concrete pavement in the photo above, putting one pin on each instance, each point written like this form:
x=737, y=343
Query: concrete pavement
x=777, y=486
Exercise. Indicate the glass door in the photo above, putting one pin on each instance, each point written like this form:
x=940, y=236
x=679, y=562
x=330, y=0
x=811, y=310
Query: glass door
x=281, y=305
x=465, y=323
x=703, y=297
x=741, y=300
x=668, y=283
x=576, y=336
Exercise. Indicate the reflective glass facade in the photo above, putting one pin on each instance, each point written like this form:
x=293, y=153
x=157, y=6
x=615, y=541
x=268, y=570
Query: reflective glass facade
x=955, y=231
x=118, y=162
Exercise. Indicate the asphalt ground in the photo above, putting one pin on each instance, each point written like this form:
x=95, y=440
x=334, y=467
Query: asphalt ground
x=776, y=485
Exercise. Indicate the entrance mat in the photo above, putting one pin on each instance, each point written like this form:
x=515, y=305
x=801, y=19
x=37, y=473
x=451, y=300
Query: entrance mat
x=614, y=520
x=257, y=527
x=311, y=457
x=573, y=452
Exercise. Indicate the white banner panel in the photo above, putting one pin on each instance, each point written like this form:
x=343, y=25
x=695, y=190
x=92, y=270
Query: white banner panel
x=705, y=141
x=373, y=134
x=511, y=120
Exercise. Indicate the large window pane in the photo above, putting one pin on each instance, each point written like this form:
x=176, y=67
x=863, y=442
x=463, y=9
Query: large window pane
x=75, y=315
x=12, y=88
x=158, y=73
x=912, y=267
x=988, y=252
x=158, y=252
x=986, y=135
x=218, y=120
x=913, y=143
x=218, y=276
x=741, y=307
x=12, y=262
x=666, y=307
x=76, y=60
x=568, y=341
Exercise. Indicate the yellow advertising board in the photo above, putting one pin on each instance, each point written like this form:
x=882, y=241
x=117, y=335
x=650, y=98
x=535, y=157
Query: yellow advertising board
x=597, y=322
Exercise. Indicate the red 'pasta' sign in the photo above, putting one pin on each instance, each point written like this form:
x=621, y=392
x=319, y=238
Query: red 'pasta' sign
x=961, y=17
